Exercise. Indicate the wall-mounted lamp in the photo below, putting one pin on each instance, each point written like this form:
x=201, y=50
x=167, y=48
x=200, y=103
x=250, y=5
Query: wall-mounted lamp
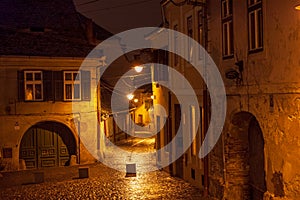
x=297, y=7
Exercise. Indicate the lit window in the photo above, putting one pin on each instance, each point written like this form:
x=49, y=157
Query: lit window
x=190, y=34
x=201, y=30
x=72, y=85
x=193, y=130
x=33, y=85
x=255, y=21
x=227, y=28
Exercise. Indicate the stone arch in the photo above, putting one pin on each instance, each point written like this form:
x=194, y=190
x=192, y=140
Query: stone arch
x=244, y=155
x=47, y=144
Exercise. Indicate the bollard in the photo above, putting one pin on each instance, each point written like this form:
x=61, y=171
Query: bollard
x=38, y=177
x=83, y=172
x=131, y=170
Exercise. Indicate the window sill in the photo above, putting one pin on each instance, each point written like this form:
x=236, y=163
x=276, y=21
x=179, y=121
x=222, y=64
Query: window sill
x=228, y=57
x=252, y=51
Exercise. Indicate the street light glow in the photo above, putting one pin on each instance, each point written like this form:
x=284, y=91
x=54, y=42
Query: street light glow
x=138, y=68
x=297, y=7
x=130, y=96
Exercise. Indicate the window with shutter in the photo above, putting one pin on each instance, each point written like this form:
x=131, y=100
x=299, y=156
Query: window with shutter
x=33, y=82
x=72, y=85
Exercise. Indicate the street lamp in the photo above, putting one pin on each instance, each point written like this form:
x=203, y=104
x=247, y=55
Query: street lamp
x=130, y=96
x=297, y=7
x=138, y=68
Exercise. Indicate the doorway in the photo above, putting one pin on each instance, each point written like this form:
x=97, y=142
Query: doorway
x=245, y=158
x=47, y=144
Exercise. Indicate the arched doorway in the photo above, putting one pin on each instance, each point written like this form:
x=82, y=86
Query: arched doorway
x=245, y=158
x=256, y=161
x=47, y=144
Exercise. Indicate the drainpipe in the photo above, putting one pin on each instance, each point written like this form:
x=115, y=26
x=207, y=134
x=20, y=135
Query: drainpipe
x=206, y=109
x=78, y=141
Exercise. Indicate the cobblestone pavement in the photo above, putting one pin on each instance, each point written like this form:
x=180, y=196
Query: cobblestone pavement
x=103, y=182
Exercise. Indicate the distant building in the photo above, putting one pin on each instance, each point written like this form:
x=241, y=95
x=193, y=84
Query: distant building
x=255, y=45
x=43, y=44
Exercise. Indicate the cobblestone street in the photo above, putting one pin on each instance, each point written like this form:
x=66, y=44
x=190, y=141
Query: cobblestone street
x=103, y=182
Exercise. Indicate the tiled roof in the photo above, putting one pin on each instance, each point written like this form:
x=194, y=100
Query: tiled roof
x=45, y=28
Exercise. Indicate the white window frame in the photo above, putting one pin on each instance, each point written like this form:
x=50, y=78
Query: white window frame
x=33, y=94
x=190, y=34
x=255, y=25
x=201, y=30
x=75, y=80
x=227, y=28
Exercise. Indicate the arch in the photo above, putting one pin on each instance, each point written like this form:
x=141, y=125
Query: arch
x=244, y=155
x=47, y=144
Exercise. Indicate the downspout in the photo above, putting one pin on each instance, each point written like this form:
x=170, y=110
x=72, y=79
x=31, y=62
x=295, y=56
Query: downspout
x=78, y=141
x=206, y=109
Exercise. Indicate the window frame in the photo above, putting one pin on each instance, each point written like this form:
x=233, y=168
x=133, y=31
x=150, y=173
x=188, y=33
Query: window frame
x=255, y=26
x=227, y=29
x=72, y=82
x=201, y=30
x=34, y=83
x=190, y=34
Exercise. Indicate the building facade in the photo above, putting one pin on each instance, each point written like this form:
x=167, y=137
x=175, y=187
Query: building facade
x=255, y=46
x=47, y=103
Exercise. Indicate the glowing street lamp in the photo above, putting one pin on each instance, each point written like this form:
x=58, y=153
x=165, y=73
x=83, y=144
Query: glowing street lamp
x=138, y=68
x=135, y=100
x=130, y=96
x=297, y=7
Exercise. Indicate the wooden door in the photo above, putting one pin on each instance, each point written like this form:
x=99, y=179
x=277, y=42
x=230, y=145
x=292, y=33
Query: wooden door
x=28, y=150
x=42, y=146
x=46, y=147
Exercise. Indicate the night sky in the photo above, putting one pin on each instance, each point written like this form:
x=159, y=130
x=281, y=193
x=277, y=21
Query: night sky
x=120, y=15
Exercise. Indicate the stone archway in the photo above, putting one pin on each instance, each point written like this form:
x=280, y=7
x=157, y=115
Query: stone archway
x=47, y=144
x=244, y=155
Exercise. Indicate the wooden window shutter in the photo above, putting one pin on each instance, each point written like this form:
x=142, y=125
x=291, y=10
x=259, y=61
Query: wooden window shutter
x=48, y=85
x=58, y=86
x=21, y=88
x=85, y=85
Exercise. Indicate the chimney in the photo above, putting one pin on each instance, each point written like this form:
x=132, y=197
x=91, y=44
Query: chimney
x=90, y=31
